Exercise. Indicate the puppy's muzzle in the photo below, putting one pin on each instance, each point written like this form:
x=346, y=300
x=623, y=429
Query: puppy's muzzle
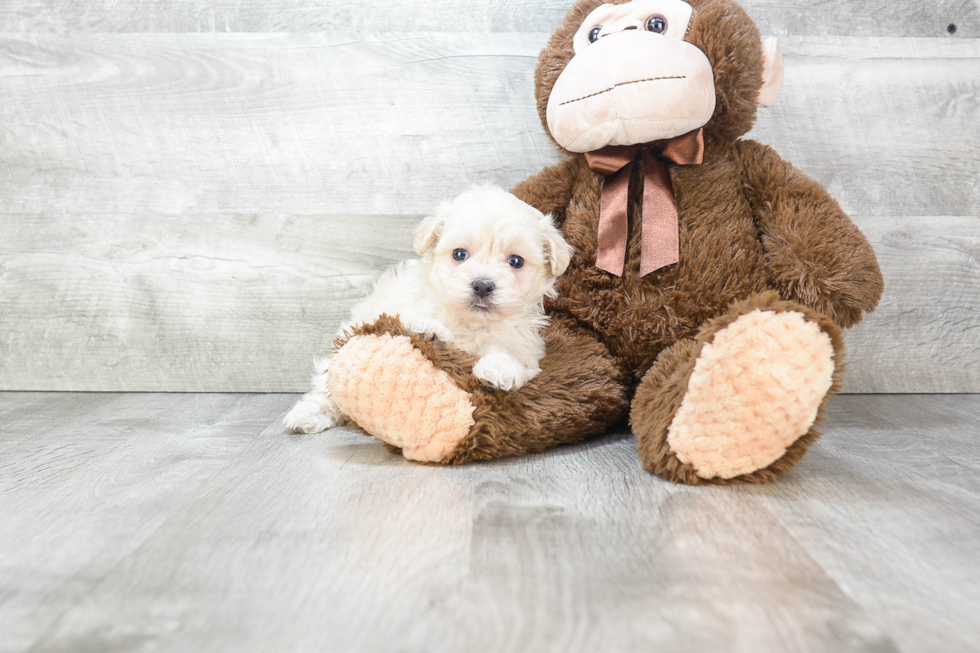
x=482, y=288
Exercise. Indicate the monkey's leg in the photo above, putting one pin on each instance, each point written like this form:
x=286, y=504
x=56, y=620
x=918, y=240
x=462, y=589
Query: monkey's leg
x=423, y=398
x=740, y=402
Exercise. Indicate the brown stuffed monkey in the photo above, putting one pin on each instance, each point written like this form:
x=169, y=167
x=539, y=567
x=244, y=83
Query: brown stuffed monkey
x=710, y=280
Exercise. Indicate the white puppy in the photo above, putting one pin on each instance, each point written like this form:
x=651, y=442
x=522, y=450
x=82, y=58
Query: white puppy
x=487, y=262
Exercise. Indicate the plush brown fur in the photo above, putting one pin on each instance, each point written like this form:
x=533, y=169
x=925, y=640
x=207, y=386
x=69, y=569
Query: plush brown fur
x=576, y=369
x=754, y=232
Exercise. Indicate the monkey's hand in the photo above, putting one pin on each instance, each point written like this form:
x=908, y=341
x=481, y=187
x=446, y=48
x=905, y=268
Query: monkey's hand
x=815, y=254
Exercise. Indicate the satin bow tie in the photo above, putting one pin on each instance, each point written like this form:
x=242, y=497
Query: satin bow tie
x=660, y=240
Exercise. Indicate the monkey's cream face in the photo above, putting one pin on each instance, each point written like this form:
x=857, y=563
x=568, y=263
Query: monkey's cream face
x=633, y=79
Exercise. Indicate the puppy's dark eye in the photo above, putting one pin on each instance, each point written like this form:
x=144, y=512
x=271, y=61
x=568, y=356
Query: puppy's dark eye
x=594, y=34
x=516, y=262
x=657, y=24
x=460, y=255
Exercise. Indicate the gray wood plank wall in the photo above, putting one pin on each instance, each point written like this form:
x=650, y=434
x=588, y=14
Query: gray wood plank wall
x=191, y=198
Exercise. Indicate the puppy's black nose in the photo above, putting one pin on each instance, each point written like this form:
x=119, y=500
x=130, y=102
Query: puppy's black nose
x=482, y=288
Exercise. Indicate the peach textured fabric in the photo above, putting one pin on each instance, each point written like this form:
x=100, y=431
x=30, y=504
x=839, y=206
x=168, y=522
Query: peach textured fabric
x=755, y=389
x=391, y=376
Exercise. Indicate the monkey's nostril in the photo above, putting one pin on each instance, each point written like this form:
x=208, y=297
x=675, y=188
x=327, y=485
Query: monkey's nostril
x=482, y=288
x=630, y=27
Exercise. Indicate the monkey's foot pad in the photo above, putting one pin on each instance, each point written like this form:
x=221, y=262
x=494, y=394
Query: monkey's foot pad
x=396, y=394
x=755, y=389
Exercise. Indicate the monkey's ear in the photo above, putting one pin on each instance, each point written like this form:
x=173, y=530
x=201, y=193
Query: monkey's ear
x=772, y=71
x=557, y=251
x=427, y=233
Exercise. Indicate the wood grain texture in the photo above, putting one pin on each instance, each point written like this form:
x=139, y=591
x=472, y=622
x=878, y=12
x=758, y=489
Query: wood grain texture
x=818, y=17
x=925, y=335
x=332, y=542
x=327, y=124
x=888, y=504
x=885, y=124
x=86, y=479
x=242, y=304
x=196, y=212
x=180, y=303
x=306, y=124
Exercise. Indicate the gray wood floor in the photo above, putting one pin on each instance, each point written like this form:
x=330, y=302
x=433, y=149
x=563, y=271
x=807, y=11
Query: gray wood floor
x=193, y=523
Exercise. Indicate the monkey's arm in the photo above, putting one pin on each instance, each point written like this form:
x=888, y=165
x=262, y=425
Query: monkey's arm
x=815, y=254
x=550, y=190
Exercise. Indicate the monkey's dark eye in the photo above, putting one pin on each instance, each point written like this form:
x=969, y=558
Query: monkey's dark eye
x=460, y=255
x=594, y=34
x=516, y=262
x=657, y=24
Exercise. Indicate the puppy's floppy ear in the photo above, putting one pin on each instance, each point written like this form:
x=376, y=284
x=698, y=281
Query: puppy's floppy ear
x=557, y=252
x=427, y=233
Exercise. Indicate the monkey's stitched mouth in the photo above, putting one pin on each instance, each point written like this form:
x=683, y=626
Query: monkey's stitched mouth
x=615, y=86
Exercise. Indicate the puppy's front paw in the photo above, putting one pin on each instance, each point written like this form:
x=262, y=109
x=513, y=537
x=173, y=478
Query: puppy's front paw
x=502, y=371
x=424, y=325
x=312, y=417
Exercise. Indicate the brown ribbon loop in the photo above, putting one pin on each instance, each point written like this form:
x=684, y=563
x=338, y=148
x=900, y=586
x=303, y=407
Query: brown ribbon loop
x=660, y=239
